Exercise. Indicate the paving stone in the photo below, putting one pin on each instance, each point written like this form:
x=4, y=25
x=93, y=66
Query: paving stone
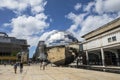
x=33, y=72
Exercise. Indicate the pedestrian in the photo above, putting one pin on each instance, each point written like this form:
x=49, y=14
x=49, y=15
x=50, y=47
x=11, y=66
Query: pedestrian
x=44, y=64
x=21, y=67
x=78, y=60
x=41, y=63
x=15, y=68
x=4, y=64
x=28, y=63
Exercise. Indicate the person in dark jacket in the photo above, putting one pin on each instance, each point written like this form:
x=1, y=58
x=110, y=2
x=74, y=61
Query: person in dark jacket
x=21, y=67
x=15, y=67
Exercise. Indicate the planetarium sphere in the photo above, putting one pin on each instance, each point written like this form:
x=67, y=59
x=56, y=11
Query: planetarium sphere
x=60, y=38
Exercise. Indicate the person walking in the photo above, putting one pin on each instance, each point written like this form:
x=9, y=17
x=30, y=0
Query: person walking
x=41, y=63
x=15, y=68
x=5, y=64
x=44, y=64
x=21, y=67
x=78, y=60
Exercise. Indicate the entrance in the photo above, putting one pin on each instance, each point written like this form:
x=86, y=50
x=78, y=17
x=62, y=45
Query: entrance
x=110, y=58
x=94, y=58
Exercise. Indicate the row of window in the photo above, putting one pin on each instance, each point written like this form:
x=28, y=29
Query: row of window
x=5, y=54
x=112, y=39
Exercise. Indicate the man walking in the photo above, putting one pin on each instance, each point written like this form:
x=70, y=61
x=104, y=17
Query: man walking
x=41, y=63
x=44, y=64
x=21, y=67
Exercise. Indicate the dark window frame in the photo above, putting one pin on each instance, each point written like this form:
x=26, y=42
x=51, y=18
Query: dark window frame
x=114, y=38
x=109, y=39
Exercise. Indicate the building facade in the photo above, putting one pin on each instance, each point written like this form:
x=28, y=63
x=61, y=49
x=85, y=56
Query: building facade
x=102, y=46
x=40, y=53
x=10, y=47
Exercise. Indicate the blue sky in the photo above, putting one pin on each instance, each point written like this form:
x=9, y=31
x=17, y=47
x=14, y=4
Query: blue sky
x=34, y=20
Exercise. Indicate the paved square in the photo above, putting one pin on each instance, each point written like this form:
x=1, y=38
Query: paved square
x=33, y=72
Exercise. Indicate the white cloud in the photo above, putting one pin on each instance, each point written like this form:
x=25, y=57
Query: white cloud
x=101, y=14
x=46, y=34
x=93, y=22
x=77, y=6
x=77, y=20
x=88, y=24
x=99, y=6
x=112, y=5
x=13, y=4
x=36, y=6
x=28, y=25
x=106, y=6
x=89, y=6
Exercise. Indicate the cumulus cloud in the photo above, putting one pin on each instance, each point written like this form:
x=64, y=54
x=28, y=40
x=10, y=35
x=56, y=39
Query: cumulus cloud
x=77, y=6
x=99, y=6
x=13, y=4
x=77, y=20
x=106, y=6
x=27, y=26
x=89, y=6
x=93, y=22
x=37, y=5
x=95, y=14
x=21, y=5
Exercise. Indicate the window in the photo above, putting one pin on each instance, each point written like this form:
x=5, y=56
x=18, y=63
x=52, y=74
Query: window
x=114, y=38
x=109, y=39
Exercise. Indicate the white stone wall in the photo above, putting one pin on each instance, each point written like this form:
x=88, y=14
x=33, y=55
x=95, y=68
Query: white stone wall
x=105, y=39
x=94, y=44
x=102, y=40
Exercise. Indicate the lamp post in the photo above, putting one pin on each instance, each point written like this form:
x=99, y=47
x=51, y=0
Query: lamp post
x=21, y=57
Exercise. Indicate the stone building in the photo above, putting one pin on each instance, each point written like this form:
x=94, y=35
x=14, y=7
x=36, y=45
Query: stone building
x=102, y=46
x=10, y=47
x=63, y=54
